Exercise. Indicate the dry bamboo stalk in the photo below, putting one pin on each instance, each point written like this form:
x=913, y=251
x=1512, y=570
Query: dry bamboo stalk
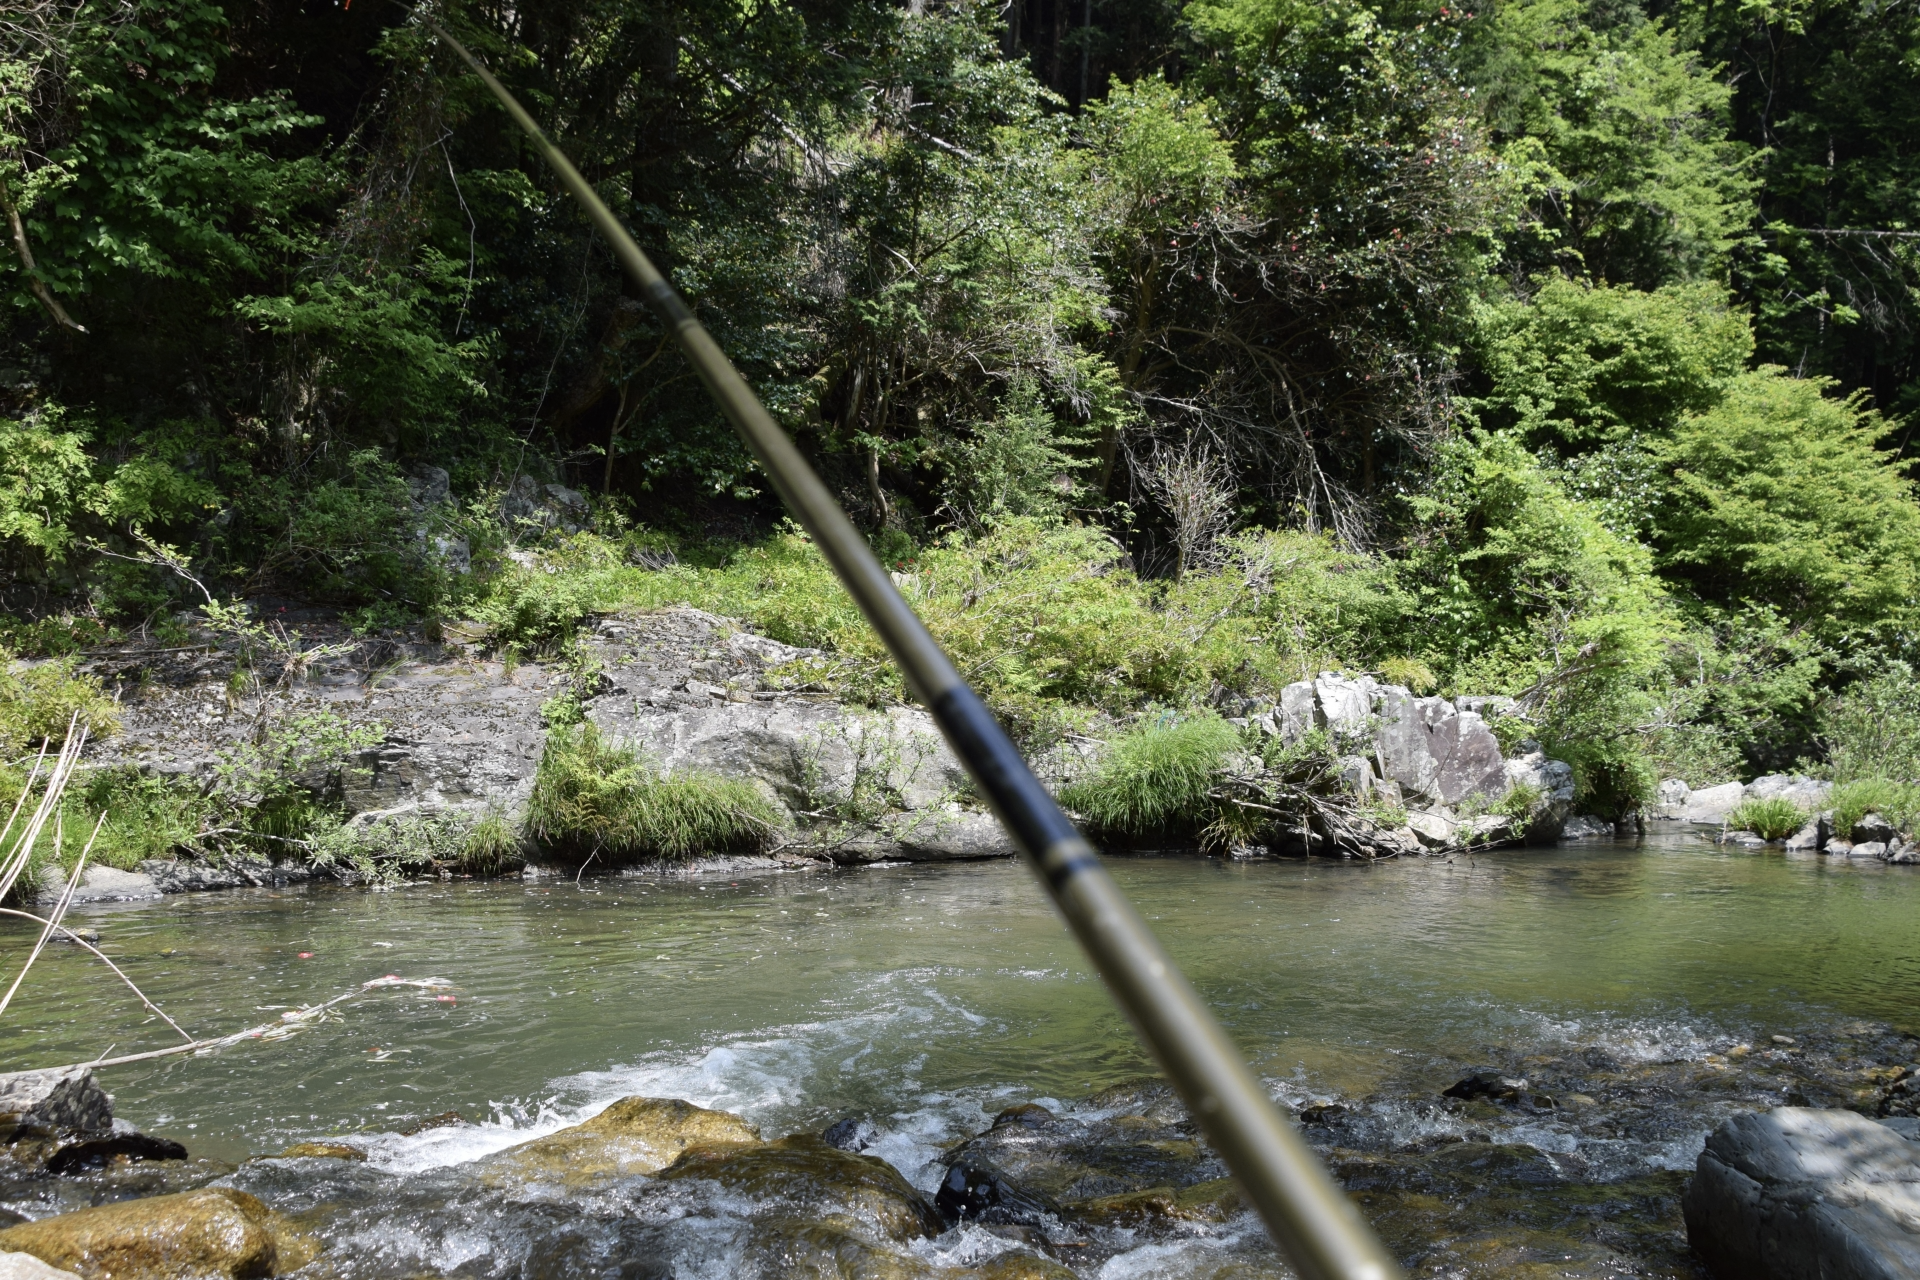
x=60, y=909
x=63, y=768
x=287, y=1022
x=77, y=940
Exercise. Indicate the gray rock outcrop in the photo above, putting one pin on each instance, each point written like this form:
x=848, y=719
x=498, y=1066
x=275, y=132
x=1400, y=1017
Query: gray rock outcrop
x=1804, y=1194
x=67, y=1099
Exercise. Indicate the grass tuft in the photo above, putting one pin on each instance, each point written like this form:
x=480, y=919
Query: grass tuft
x=1155, y=778
x=1897, y=802
x=1772, y=818
x=593, y=797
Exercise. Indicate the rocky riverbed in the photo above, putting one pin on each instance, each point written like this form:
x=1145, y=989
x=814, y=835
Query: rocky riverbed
x=1534, y=1164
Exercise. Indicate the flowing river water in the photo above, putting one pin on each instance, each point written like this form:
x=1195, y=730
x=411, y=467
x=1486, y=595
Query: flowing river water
x=1644, y=990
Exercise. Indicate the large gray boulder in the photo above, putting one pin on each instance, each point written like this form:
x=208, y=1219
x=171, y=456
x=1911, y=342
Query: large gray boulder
x=1553, y=779
x=1713, y=804
x=1400, y=739
x=1466, y=751
x=1804, y=1194
x=1809, y=793
x=67, y=1099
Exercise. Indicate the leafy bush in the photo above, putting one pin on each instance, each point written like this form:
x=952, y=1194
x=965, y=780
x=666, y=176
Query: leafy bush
x=1897, y=802
x=38, y=702
x=1872, y=731
x=1154, y=778
x=591, y=797
x=1770, y=818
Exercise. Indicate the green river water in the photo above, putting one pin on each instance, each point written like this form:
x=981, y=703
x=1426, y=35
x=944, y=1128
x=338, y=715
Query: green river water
x=930, y=998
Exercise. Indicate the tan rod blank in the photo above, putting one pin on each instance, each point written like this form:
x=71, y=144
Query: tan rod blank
x=1312, y=1221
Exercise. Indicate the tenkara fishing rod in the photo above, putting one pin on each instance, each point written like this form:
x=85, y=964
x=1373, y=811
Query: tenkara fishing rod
x=1312, y=1221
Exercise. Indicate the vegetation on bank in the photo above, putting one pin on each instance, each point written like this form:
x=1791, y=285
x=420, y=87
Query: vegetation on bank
x=1557, y=349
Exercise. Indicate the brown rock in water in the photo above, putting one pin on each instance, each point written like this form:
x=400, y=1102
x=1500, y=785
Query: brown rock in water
x=1017, y=1266
x=1214, y=1201
x=214, y=1232
x=322, y=1150
x=818, y=1182
x=634, y=1136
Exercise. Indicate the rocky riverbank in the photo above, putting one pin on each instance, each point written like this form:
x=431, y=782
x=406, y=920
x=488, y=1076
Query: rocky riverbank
x=459, y=736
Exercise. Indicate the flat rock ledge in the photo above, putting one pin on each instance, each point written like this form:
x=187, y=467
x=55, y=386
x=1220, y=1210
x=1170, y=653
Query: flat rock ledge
x=1799, y=1193
x=463, y=733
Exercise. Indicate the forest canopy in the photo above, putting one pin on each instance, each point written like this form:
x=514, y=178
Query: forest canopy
x=1563, y=349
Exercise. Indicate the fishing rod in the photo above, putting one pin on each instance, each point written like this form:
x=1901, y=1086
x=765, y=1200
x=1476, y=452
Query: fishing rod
x=1312, y=1221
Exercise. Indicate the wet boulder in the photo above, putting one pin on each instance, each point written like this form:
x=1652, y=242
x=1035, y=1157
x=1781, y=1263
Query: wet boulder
x=1214, y=1201
x=634, y=1136
x=974, y=1191
x=1804, y=1194
x=213, y=1232
x=804, y=1177
x=1018, y=1265
x=1491, y=1086
x=855, y=1133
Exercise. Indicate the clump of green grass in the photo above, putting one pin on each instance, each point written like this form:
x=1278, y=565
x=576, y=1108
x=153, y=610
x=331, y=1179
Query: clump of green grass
x=1155, y=778
x=491, y=846
x=1897, y=802
x=1771, y=818
x=594, y=797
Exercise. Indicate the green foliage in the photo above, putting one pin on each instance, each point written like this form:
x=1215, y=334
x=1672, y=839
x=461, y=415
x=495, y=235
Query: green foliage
x=1872, y=731
x=1154, y=778
x=1625, y=133
x=391, y=850
x=38, y=701
x=1897, y=802
x=1770, y=818
x=593, y=798
x=1781, y=494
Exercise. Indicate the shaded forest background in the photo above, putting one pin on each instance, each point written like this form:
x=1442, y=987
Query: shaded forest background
x=1557, y=348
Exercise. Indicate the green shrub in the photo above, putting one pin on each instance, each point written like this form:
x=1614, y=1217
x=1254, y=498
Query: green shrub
x=1897, y=802
x=1155, y=778
x=592, y=797
x=38, y=702
x=1873, y=730
x=1770, y=818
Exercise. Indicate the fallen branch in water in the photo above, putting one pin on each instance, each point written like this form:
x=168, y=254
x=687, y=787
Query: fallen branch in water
x=80, y=941
x=287, y=1024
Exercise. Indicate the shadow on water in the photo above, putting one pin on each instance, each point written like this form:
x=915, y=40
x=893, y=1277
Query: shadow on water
x=1629, y=996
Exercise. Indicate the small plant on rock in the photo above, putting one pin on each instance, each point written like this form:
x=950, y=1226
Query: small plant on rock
x=1770, y=818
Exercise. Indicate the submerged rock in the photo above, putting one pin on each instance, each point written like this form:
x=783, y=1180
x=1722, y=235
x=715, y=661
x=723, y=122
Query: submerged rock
x=321, y=1150
x=217, y=1232
x=1803, y=1194
x=807, y=1177
x=855, y=1133
x=633, y=1136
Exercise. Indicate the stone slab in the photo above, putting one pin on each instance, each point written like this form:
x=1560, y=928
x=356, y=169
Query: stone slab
x=1799, y=1193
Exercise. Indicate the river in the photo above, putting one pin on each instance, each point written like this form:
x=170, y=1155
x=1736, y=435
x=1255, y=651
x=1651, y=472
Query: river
x=1640, y=987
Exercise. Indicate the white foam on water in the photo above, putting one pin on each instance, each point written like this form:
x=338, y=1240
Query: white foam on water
x=770, y=1077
